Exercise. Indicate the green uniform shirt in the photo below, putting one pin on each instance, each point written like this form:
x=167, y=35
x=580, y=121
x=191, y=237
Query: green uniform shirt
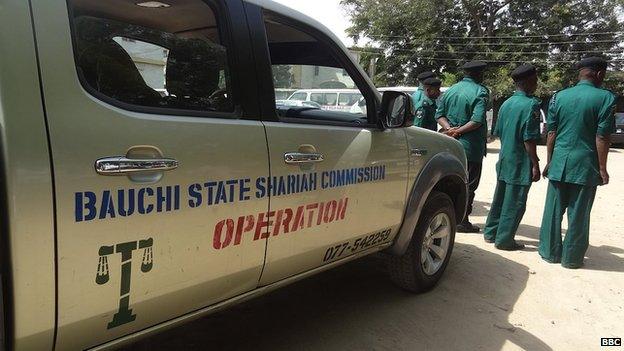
x=463, y=102
x=577, y=114
x=518, y=121
x=425, y=114
x=418, y=95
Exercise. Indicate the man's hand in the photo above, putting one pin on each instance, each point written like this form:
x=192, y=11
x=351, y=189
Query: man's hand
x=605, y=176
x=452, y=132
x=531, y=148
x=602, y=145
x=545, y=172
x=536, y=173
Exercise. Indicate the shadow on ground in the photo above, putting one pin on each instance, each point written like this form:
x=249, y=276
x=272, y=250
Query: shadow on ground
x=598, y=258
x=355, y=307
x=480, y=208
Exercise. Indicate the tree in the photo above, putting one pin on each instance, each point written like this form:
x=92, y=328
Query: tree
x=410, y=36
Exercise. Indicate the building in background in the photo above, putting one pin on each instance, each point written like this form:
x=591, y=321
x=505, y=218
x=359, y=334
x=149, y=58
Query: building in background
x=150, y=60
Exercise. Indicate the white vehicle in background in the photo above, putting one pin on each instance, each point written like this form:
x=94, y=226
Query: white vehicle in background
x=297, y=103
x=283, y=93
x=329, y=99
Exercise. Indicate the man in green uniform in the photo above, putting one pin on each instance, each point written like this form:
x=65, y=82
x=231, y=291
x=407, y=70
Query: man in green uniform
x=580, y=122
x=518, y=128
x=419, y=94
x=461, y=113
x=426, y=108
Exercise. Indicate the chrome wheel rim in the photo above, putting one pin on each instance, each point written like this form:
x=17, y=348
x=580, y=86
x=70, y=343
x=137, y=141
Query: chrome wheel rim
x=435, y=244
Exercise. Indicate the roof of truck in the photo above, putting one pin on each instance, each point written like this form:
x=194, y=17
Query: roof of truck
x=287, y=11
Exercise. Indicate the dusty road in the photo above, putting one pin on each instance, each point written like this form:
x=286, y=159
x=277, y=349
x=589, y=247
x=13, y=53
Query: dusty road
x=488, y=299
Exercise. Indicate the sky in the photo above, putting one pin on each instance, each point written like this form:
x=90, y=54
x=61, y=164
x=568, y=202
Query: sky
x=327, y=12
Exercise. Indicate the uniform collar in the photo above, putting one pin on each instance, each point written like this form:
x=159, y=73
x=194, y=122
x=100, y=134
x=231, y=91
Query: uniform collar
x=586, y=82
x=468, y=79
x=520, y=93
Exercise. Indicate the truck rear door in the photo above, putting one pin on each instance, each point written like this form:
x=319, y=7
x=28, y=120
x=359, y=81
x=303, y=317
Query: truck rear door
x=150, y=109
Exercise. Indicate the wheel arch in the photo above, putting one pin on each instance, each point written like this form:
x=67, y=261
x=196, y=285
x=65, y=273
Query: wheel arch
x=445, y=173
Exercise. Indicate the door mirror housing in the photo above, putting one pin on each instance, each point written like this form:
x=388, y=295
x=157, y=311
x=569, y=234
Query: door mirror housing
x=396, y=109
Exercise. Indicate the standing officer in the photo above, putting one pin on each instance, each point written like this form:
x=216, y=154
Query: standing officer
x=580, y=122
x=518, y=128
x=426, y=109
x=461, y=113
x=419, y=94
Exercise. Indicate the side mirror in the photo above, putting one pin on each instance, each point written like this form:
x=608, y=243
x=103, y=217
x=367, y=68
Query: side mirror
x=396, y=109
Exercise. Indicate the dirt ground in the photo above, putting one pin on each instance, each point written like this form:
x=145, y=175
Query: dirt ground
x=488, y=299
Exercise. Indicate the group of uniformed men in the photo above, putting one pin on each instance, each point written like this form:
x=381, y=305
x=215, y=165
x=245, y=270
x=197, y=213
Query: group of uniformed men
x=580, y=120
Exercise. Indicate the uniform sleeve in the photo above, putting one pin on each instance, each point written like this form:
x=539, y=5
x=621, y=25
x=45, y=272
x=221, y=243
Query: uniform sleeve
x=480, y=107
x=441, y=108
x=606, y=119
x=416, y=98
x=552, y=120
x=532, y=125
x=497, y=124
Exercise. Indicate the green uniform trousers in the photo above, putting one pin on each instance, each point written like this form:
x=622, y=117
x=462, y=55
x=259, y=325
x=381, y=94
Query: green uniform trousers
x=506, y=213
x=578, y=201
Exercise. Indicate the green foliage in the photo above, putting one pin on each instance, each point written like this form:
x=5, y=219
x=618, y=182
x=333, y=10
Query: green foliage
x=411, y=36
x=449, y=78
x=615, y=83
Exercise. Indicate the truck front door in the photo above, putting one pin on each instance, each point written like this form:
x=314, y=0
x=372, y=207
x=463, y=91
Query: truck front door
x=154, y=149
x=338, y=182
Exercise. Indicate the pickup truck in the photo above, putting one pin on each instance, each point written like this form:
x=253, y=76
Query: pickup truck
x=148, y=179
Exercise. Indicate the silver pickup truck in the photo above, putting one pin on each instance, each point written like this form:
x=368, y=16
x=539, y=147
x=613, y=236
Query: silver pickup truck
x=148, y=178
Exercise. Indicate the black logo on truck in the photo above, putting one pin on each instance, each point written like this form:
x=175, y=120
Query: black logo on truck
x=124, y=313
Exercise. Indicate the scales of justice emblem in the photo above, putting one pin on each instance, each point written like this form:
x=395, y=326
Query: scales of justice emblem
x=124, y=313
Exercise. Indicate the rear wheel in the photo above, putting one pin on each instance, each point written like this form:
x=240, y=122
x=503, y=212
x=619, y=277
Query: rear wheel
x=428, y=254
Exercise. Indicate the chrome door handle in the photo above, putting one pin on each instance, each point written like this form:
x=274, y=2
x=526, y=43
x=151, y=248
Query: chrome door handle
x=418, y=152
x=294, y=158
x=120, y=165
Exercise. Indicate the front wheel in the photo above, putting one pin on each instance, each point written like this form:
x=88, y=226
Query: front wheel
x=420, y=268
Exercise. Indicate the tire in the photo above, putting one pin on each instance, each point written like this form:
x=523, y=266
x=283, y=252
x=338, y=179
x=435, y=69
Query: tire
x=409, y=271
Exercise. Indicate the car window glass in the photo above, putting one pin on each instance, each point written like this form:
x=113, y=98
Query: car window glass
x=348, y=99
x=174, y=61
x=318, y=97
x=149, y=59
x=300, y=61
x=330, y=99
x=299, y=96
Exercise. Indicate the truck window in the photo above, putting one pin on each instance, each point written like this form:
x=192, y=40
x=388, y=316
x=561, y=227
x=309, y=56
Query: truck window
x=127, y=56
x=311, y=64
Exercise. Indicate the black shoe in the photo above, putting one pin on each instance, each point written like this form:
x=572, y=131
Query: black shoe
x=514, y=247
x=489, y=241
x=467, y=227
